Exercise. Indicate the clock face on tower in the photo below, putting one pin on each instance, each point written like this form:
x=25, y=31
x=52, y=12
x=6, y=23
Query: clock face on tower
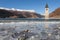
x=46, y=9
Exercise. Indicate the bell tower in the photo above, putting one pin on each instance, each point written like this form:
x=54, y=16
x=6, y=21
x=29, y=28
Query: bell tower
x=46, y=12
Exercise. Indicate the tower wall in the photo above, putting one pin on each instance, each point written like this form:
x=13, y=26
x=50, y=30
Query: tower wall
x=46, y=13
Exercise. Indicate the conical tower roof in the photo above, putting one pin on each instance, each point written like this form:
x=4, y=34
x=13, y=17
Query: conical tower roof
x=46, y=6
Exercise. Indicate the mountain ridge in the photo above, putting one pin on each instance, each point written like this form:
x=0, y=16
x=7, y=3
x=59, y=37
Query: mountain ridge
x=55, y=13
x=18, y=14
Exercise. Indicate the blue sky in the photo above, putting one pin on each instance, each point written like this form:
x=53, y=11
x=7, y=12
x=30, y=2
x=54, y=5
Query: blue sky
x=37, y=5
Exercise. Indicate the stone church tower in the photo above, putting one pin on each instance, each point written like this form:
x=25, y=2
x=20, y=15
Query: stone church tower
x=46, y=12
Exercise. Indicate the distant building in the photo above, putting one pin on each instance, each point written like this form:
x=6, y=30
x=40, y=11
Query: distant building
x=14, y=16
x=46, y=11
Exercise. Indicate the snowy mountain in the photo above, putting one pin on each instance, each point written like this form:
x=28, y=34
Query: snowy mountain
x=17, y=9
x=17, y=13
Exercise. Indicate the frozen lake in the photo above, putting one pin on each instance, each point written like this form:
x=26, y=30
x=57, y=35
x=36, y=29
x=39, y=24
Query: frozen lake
x=33, y=26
